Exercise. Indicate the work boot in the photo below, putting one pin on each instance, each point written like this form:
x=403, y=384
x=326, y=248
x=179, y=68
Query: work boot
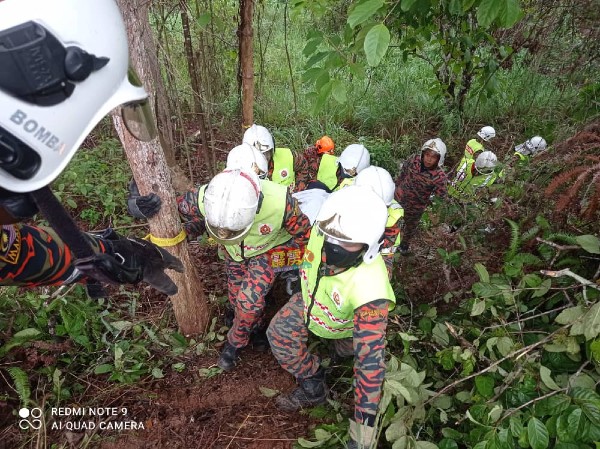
x=228, y=357
x=259, y=341
x=310, y=392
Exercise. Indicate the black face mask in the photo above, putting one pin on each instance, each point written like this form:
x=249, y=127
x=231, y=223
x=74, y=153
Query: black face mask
x=340, y=257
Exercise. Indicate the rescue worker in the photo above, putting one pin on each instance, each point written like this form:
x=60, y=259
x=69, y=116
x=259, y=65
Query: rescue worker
x=477, y=175
x=380, y=180
x=335, y=173
x=49, y=105
x=255, y=221
x=530, y=148
x=323, y=148
x=285, y=167
x=475, y=146
x=246, y=157
x=420, y=178
x=346, y=296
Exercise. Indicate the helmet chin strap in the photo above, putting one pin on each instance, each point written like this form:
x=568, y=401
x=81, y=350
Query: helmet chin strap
x=68, y=231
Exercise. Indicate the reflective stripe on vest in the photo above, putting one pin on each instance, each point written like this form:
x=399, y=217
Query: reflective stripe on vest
x=473, y=147
x=395, y=213
x=332, y=306
x=327, y=172
x=466, y=184
x=283, y=167
x=267, y=230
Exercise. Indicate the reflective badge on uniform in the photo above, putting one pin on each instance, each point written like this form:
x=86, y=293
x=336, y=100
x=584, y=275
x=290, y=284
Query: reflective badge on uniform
x=283, y=173
x=265, y=229
x=10, y=244
x=337, y=299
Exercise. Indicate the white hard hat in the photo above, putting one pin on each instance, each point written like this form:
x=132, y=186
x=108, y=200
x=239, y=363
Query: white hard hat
x=487, y=133
x=260, y=138
x=380, y=180
x=354, y=214
x=230, y=204
x=531, y=146
x=63, y=66
x=438, y=146
x=486, y=162
x=246, y=157
x=354, y=158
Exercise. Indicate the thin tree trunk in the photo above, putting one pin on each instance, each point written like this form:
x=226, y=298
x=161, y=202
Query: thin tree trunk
x=246, y=62
x=140, y=37
x=151, y=172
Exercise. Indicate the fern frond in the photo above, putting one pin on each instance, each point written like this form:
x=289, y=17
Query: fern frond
x=542, y=222
x=515, y=241
x=569, y=262
x=528, y=235
x=562, y=237
x=21, y=381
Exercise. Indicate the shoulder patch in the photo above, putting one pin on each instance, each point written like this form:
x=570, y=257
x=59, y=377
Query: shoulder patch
x=10, y=244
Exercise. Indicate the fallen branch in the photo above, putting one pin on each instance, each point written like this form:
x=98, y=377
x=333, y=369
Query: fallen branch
x=516, y=354
x=567, y=272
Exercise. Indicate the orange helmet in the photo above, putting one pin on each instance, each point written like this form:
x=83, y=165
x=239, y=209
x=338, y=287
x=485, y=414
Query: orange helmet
x=325, y=145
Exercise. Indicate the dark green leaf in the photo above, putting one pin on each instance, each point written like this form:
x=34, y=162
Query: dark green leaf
x=455, y=7
x=447, y=443
x=362, y=11
x=576, y=421
x=510, y=14
x=407, y=4
x=102, y=369
x=537, y=434
x=485, y=385
x=488, y=11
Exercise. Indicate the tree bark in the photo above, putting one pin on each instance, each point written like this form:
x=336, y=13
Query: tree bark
x=246, y=62
x=152, y=174
x=139, y=34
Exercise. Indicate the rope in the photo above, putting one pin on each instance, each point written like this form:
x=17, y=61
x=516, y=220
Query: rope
x=162, y=242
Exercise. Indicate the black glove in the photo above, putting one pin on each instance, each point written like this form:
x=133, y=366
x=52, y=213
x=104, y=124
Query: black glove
x=16, y=206
x=318, y=185
x=141, y=206
x=131, y=260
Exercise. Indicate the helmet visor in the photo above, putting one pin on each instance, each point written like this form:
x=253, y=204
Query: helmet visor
x=226, y=236
x=484, y=170
x=137, y=115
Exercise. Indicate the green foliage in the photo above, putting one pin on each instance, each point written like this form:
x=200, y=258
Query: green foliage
x=21, y=383
x=462, y=52
x=85, y=187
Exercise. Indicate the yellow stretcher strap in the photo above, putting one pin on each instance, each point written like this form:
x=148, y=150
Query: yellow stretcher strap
x=158, y=241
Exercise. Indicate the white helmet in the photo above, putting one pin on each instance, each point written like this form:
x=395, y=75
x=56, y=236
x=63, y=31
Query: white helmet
x=486, y=162
x=354, y=214
x=64, y=66
x=487, y=133
x=246, y=157
x=532, y=146
x=438, y=146
x=354, y=158
x=260, y=138
x=230, y=204
x=380, y=180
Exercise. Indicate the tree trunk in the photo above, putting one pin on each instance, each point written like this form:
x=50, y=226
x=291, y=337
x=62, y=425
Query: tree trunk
x=139, y=34
x=246, y=62
x=151, y=172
